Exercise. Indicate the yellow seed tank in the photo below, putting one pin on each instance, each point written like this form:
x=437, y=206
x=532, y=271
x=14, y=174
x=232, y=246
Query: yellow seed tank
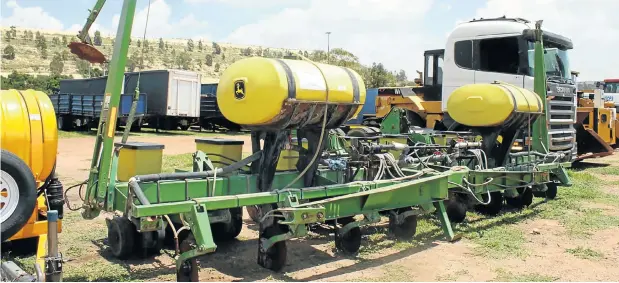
x=489, y=105
x=274, y=94
x=28, y=129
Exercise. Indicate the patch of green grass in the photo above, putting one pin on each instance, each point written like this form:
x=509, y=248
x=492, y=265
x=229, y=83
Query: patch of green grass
x=585, y=253
x=496, y=236
x=379, y=238
x=177, y=161
x=607, y=170
x=96, y=270
x=26, y=263
x=66, y=135
x=569, y=208
x=506, y=276
x=500, y=242
x=590, y=220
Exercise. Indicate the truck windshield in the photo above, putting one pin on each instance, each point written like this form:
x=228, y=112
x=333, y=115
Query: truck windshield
x=556, y=62
x=612, y=87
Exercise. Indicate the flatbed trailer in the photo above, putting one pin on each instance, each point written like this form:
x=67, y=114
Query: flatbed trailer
x=82, y=111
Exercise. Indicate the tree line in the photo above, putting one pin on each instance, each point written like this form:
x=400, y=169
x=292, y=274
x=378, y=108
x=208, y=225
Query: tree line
x=48, y=84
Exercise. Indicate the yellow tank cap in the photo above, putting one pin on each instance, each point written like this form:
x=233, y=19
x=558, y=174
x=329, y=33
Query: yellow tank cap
x=487, y=105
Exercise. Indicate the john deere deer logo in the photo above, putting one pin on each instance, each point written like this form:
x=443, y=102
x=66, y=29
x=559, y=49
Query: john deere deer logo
x=239, y=90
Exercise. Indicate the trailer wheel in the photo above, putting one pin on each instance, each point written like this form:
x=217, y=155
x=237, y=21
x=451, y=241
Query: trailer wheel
x=149, y=243
x=18, y=194
x=456, y=207
x=349, y=242
x=188, y=271
x=551, y=192
x=64, y=123
x=274, y=258
x=495, y=205
x=406, y=229
x=121, y=235
x=228, y=231
x=524, y=198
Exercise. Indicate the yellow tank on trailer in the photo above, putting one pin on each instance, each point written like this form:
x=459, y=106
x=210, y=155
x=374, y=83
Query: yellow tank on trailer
x=29, y=139
x=488, y=105
x=29, y=130
x=276, y=94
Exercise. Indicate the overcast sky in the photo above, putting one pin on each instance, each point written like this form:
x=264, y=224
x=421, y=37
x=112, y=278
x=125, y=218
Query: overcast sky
x=394, y=32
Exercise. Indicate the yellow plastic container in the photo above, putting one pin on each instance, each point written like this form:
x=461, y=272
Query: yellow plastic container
x=221, y=152
x=139, y=158
x=29, y=130
x=260, y=91
x=288, y=159
x=486, y=105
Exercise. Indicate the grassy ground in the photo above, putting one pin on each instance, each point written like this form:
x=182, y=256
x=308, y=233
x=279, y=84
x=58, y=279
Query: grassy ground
x=582, y=210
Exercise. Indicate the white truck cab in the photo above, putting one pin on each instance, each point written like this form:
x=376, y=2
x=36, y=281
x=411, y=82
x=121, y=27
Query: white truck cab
x=501, y=49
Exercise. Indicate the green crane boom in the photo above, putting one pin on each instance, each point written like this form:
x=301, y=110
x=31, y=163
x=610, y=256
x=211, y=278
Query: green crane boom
x=99, y=175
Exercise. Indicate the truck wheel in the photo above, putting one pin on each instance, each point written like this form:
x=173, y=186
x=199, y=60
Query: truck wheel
x=18, y=194
x=64, y=123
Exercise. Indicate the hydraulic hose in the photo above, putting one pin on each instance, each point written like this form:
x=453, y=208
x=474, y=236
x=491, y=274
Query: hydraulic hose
x=134, y=182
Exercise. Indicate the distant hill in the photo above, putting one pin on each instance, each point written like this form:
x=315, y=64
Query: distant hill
x=29, y=58
x=34, y=51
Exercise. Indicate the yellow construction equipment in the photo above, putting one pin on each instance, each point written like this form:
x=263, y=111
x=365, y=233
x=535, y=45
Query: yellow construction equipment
x=596, y=123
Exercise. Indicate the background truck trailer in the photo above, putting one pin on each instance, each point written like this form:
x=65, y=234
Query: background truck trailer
x=82, y=111
x=210, y=115
x=78, y=104
x=173, y=97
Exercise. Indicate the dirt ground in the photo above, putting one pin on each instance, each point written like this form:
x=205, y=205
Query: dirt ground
x=568, y=239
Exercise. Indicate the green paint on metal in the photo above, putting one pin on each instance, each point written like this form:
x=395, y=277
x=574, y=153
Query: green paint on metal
x=391, y=124
x=201, y=228
x=447, y=230
x=268, y=243
x=540, y=141
x=101, y=160
x=83, y=35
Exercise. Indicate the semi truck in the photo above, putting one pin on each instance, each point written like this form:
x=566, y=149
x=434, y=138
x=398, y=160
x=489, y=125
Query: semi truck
x=487, y=51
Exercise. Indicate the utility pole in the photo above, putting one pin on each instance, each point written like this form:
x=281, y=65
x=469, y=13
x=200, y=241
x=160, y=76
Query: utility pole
x=328, y=47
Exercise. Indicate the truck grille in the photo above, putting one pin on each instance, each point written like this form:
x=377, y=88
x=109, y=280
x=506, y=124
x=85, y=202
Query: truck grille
x=561, y=117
